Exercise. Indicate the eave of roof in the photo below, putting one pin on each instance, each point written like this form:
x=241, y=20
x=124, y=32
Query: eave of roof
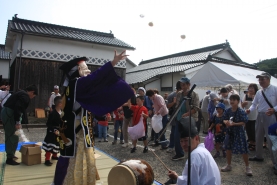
x=231, y=62
x=64, y=32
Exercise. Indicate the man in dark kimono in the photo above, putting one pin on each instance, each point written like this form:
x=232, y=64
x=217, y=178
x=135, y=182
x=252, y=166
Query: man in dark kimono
x=12, y=112
x=86, y=95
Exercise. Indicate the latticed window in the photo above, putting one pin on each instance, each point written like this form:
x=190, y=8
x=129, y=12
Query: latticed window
x=167, y=89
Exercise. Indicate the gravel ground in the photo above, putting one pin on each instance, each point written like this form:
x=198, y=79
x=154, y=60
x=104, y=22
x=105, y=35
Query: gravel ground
x=262, y=171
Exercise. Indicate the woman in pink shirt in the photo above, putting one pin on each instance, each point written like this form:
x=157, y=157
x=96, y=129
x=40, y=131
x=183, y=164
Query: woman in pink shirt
x=160, y=108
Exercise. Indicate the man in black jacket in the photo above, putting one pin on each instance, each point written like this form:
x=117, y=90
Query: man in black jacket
x=11, y=114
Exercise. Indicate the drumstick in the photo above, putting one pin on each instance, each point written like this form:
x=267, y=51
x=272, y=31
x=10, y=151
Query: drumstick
x=160, y=160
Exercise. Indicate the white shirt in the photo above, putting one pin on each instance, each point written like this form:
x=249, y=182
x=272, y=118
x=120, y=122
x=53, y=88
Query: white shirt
x=52, y=97
x=4, y=95
x=259, y=101
x=204, y=169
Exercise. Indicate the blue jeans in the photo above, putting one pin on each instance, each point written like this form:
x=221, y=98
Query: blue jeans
x=102, y=131
x=178, y=149
x=162, y=139
x=118, y=124
x=172, y=139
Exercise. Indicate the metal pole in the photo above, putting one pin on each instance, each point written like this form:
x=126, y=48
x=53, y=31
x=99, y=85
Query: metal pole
x=189, y=147
x=172, y=81
x=20, y=60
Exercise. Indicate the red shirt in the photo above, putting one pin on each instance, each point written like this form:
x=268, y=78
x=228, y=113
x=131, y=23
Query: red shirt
x=104, y=123
x=118, y=114
x=137, y=110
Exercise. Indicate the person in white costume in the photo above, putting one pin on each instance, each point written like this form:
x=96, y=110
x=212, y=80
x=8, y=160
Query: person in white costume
x=204, y=169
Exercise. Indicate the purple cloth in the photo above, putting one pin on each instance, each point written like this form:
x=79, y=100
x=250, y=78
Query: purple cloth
x=102, y=91
x=61, y=170
x=272, y=129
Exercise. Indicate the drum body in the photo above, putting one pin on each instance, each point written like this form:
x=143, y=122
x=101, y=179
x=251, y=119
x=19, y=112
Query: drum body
x=131, y=172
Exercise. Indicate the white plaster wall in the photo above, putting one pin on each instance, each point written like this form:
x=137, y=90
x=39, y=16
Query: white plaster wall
x=129, y=65
x=176, y=77
x=225, y=54
x=153, y=85
x=15, y=46
x=167, y=80
x=4, y=68
x=68, y=47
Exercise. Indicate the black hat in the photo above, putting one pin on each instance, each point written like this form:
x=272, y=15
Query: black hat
x=183, y=127
x=69, y=71
x=66, y=67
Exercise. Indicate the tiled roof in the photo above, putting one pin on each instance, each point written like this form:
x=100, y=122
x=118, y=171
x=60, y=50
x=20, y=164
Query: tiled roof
x=143, y=75
x=212, y=49
x=3, y=54
x=179, y=62
x=200, y=55
x=57, y=31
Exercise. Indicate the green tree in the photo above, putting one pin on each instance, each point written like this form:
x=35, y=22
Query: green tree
x=268, y=65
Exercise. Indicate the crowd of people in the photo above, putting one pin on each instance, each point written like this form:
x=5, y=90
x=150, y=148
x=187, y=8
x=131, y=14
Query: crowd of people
x=235, y=121
x=230, y=117
x=224, y=113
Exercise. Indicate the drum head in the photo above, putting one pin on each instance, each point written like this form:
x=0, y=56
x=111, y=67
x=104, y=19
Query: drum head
x=122, y=175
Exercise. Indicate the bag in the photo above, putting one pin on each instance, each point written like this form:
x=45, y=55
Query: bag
x=209, y=142
x=157, y=123
x=137, y=131
x=270, y=105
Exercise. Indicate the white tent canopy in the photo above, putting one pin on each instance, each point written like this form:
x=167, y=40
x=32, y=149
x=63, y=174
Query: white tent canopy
x=214, y=74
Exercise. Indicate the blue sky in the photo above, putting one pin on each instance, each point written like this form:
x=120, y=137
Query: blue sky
x=249, y=25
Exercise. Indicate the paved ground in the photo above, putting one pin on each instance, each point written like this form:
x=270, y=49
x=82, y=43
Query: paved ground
x=262, y=172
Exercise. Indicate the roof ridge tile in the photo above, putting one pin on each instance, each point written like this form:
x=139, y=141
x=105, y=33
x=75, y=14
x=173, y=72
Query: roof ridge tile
x=64, y=32
x=19, y=20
